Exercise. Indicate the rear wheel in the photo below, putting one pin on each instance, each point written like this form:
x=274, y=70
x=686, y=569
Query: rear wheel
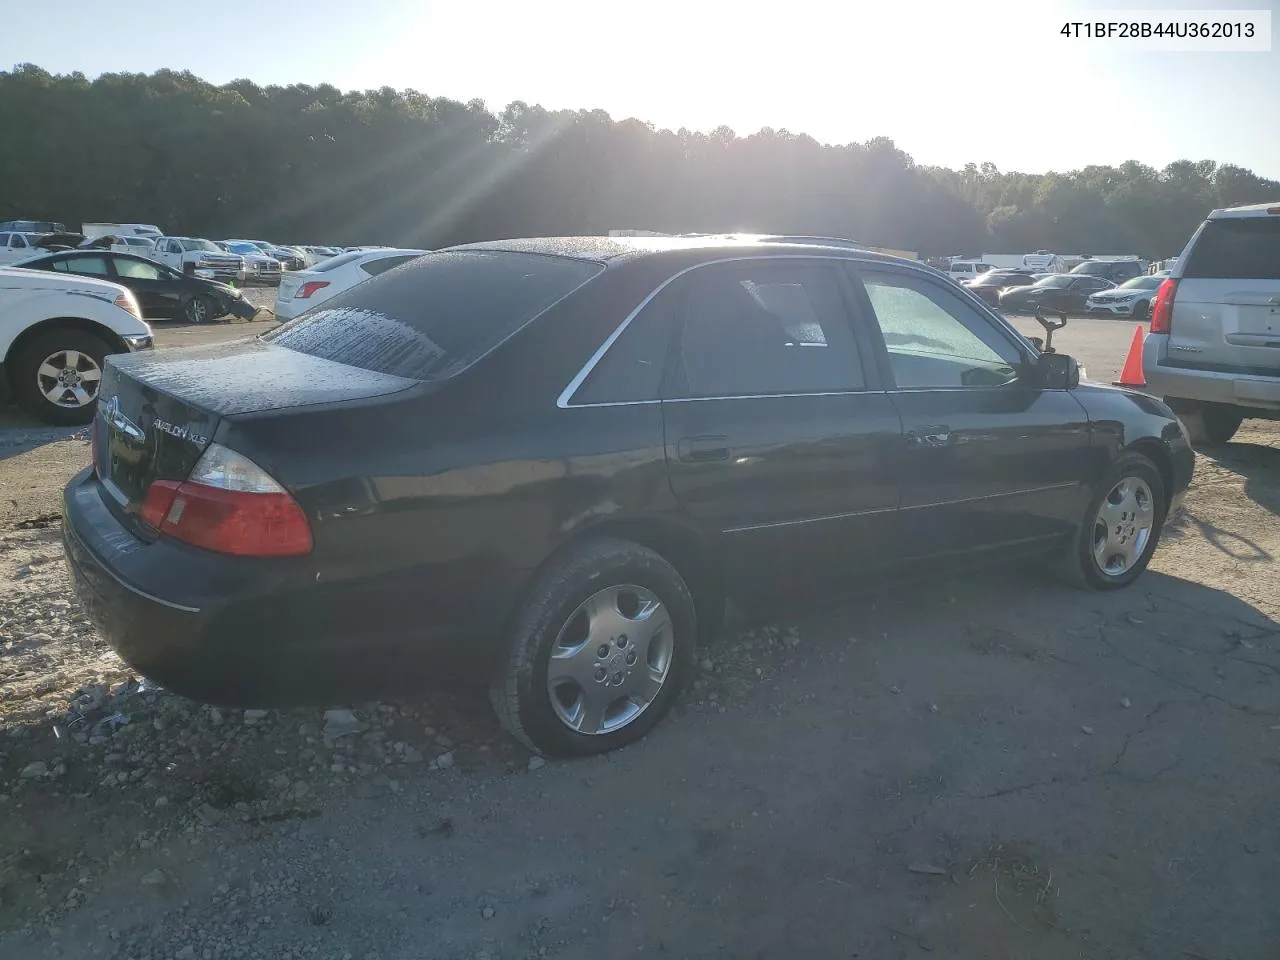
x=56, y=375
x=1121, y=526
x=600, y=649
x=1209, y=424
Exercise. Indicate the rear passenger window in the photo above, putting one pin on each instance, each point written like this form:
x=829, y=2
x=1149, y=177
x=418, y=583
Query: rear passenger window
x=762, y=329
x=631, y=369
x=1240, y=248
x=382, y=265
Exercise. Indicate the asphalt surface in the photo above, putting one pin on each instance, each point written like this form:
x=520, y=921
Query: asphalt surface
x=987, y=766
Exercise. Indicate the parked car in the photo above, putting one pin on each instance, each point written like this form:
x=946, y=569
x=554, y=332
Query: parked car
x=304, y=289
x=17, y=246
x=55, y=332
x=162, y=292
x=204, y=257
x=1056, y=293
x=260, y=268
x=545, y=463
x=1214, y=348
x=1131, y=299
x=319, y=254
x=288, y=259
x=962, y=270
x=142, y=246
x=32, y=226
x=1117, y=271
x=988, y=285
x=148, y=230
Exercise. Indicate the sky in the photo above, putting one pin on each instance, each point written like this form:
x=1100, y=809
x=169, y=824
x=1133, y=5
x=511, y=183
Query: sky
x=949, y=82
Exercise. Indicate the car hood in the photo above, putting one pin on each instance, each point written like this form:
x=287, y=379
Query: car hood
x=16, y=278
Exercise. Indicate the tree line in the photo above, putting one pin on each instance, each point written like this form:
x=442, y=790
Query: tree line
x=304, y=164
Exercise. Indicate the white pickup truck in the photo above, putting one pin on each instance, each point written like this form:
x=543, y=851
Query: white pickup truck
x=17, y=246
x=206, y=258
x=55, y=331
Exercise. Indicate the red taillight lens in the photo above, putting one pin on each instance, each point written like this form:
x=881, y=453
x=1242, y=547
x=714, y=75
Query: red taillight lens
x=229, y=505
x=310, y=287
x=1162, y=306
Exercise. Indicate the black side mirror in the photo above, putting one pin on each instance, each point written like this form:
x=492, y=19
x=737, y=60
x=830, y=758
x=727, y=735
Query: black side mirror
x=1057, y=371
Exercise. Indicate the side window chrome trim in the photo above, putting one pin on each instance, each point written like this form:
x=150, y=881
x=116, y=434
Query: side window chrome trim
x=566, y=395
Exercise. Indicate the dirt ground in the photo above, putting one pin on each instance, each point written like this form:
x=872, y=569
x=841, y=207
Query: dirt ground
x=987, y=767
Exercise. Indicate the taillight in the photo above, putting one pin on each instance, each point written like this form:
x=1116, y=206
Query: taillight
x=1162, y=306
x=229, y=505
x=310, y=287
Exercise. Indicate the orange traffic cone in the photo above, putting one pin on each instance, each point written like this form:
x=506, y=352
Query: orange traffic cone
x=1131, y=374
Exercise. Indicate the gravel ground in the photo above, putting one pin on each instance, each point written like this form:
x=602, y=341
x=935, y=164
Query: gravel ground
x=981, y=767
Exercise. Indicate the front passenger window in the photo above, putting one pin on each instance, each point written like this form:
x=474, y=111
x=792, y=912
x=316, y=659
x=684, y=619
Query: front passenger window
x=934, y=338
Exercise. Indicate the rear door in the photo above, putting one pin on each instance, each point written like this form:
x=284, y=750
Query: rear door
x=779, y=440
x=1226, y=313
x=990, y=459
x=159, y=291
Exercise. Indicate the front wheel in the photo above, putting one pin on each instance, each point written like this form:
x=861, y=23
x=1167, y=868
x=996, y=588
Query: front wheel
x=200, y=309
x=1121, y=526
x=1141, y=311
x=600, y=649
x=56, y=375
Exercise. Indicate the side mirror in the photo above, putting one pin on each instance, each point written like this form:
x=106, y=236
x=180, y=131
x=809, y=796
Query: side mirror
x=1057, y=371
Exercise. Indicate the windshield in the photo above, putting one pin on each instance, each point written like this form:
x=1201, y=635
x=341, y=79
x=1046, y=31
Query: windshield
x=243, y=248
x=334, y=262
x=433, y=317
x=1142, y=283
x=1055, y=282
x=199, y=245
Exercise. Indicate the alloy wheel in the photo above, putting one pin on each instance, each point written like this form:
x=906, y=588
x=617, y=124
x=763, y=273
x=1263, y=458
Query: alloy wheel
x=1123, y=526
x=610, y=660
x=69, y=378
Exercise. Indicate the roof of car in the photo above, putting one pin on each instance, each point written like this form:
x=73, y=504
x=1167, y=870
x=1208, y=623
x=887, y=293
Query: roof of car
x=1250, y=210
x=606, y=249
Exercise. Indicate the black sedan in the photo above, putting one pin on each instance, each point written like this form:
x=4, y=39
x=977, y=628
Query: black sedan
x=1056, y=293
x=544, y=464
x=989, y=285
x=162, y=292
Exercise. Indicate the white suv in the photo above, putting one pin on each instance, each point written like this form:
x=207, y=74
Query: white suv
x=1214, y=348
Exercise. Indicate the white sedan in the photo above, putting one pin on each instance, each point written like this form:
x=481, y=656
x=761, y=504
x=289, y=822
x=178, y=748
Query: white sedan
x=303, y=289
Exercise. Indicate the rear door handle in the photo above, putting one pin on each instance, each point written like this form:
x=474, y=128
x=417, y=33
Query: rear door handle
x=929, y=436
x=703, y=449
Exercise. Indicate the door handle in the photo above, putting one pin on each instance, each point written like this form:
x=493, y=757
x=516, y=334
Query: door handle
x=703, y=449
x=929, y=437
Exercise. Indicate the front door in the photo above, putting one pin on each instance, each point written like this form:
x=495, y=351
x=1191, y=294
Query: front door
x=990, y=459
x=779, y=443
x=159, y=290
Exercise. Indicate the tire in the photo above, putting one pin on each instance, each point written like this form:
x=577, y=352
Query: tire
x=1081, y=565
x=1141, y=311
x=61, y=349
x=1208, y=424
x=618, y=576
x=200, y=309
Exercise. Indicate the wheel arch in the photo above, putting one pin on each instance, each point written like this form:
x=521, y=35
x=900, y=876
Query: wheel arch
x=680, y=544
x=1158, y=454
x=84, y=324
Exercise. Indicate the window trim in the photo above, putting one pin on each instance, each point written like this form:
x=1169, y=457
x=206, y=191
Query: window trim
x=858, y=310
x=867, y=316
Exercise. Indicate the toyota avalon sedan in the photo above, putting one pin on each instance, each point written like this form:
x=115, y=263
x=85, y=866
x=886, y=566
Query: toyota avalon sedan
x=544, y=464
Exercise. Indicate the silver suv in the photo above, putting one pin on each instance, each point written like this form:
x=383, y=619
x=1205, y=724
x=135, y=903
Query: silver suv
x=1214, y=348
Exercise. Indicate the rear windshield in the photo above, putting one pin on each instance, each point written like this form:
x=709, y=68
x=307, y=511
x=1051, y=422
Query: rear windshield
x=432, y=317
x=1241, y=248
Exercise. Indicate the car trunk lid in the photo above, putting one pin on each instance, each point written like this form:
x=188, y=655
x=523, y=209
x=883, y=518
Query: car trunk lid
x=158, y=413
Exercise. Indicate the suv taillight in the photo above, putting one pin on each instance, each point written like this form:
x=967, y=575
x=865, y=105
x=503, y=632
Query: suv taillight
x=1162, y=306
x=229, y=505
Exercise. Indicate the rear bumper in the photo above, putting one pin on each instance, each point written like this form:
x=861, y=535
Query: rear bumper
x=1207, y=386
x=245, y=632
